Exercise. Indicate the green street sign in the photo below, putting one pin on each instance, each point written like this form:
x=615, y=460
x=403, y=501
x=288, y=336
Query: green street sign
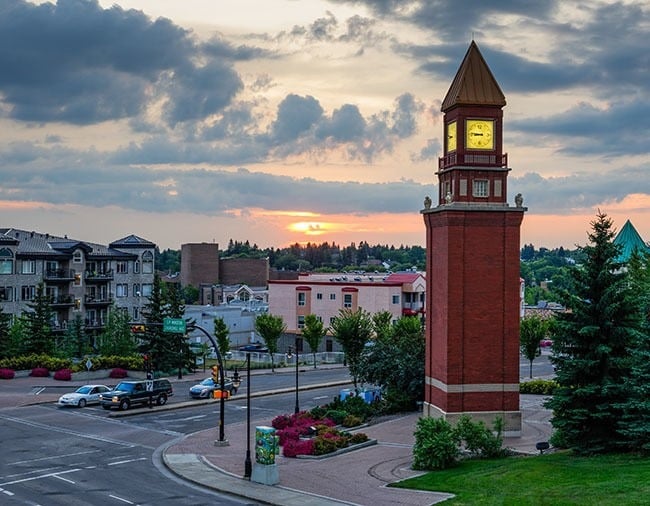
x=176, y=325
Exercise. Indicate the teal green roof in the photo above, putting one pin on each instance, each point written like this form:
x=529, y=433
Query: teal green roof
x=629, y=240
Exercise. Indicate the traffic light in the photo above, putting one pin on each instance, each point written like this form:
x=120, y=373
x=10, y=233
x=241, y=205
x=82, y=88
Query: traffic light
x=137, y=329
x=215, y=374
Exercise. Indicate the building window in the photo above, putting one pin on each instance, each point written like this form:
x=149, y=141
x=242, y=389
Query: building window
x=395, y=299
x=28, y=267
x=6, y=261
x=6, y=293
x=147, y=262
x=480, y=188
x=136, y=290
x=77, y=279
x=27, y=292
x=347, y=300
x=122, y=267
x=332, y=296
x=301, y=321
x=319, y=296
x=147, y=289
x=319, y=318
x=77, y=257
x=122, y=290
x=302, y=298
x=136, y=314
x=332, y=318
x=136, y=267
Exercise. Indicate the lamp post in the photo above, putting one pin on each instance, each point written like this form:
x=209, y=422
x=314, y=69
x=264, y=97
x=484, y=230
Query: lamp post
x=289, y=355
x=236, y=381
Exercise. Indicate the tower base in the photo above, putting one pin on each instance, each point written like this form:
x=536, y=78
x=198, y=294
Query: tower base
x=511, y=419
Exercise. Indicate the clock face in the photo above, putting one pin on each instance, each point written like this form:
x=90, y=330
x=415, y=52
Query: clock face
x=480, y=134
x=451, y=136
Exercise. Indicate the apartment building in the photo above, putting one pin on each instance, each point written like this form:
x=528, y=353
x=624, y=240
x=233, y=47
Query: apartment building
x=82, y=278
x=324, y=295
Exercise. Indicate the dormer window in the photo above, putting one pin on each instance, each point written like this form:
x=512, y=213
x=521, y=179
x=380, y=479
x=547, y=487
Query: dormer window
x=77, y=257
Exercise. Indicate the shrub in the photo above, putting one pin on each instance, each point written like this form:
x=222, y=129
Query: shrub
x=336, y=415
x=280, y=422
x=7, y=374
x=436, y=444
x=358, y=438
x=288, y=434
x=479, y=440
x=538, y=387
x=298, y=447
x=118, y=373
x=351, y=421
x=324, y=445
x=39, y=372
x=63, y=375
x=318, y=412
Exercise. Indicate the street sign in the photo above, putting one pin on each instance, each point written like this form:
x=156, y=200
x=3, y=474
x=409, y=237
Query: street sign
x=149, y=385
x=176, y=325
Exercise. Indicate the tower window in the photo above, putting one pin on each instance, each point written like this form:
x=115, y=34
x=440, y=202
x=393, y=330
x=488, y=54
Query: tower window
x=480, y=188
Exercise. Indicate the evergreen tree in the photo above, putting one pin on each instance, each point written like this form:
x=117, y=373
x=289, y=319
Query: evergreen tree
x=18, y=337
x=221, y=334
x=352, y=330
x=75, y=343
x=270, y=328
x=313, y=333
x=154, y=342
x=174, y=304
x=116, y=338
x=40, y=338
x=634, y=423
x=592, y=348
x=5, y=334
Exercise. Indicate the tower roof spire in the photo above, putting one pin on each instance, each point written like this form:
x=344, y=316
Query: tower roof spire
x=474, y=83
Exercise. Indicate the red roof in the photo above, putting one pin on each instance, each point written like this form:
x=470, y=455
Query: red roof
x=403, y=277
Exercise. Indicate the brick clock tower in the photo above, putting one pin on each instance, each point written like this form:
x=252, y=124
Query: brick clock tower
x=473, y=290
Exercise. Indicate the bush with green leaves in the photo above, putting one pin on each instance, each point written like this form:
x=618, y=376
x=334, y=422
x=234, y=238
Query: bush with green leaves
x=538, y=387
x=437, y=445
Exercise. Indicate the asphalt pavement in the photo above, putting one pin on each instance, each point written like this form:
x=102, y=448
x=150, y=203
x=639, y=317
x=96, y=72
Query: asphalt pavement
x=358, y=477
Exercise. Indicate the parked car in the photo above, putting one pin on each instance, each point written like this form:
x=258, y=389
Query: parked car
x=82, y=396
x=206, y=388
x=260, y=348
x=128, y=393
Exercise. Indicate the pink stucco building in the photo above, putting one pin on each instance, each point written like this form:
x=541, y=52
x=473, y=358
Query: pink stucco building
x=324, y=295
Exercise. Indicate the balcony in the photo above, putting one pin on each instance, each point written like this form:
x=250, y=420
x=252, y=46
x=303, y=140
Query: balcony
x=100, y=300
x=60, y=326
x=94, y=324
x=62, y=300
x=98, y=276
x=471, y=159
x=59, y=275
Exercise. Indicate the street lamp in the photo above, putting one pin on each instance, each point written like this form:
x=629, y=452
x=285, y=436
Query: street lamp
x=236, y=381
x=289, y=355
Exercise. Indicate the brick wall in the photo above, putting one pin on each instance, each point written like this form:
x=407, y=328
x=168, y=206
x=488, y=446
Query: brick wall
x=249, y=271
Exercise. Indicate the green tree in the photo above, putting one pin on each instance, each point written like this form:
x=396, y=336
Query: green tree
x=352, y=330
x=18, y=337
x=636, y=409
x=270, y=328
x=40, y=338
x=532, y=329
x=76, y=343
x=5, y=334
x=395, y=361
x=174, y=307
x=190, y=294
x=159, y=345
x=383, y=324
x=116, y=338
x=313, y=333
x=592, y=348
x=221, y=333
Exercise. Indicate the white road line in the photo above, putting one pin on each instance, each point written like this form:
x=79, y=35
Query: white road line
x=64, y=479
x=52, y=457
x=120, y=499
x=6, y=492
x=126, y=461
x=49, y=475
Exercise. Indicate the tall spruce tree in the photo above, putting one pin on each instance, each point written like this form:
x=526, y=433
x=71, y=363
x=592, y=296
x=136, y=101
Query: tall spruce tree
x=635, y=422
x=39, y=323
x=155, y=343
x=592, y=347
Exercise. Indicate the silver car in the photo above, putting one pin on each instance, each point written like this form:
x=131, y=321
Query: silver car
x=82, y=396
x=206, y=388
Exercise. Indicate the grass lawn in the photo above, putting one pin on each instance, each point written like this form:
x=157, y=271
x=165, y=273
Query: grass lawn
x=553, y=479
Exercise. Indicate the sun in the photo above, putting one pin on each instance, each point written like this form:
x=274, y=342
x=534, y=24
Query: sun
x=308, y=227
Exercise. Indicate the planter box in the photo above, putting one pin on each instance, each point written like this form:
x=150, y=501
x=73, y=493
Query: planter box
x=347, y=449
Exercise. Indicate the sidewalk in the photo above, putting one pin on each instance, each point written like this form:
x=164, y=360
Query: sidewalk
x=358, y=477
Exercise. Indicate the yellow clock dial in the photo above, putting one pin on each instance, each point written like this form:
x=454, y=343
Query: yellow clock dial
x=451, y=136
x=480, y=134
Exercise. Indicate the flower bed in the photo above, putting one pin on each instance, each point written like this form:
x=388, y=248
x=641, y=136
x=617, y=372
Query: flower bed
x=304, y=434
x=7, y=374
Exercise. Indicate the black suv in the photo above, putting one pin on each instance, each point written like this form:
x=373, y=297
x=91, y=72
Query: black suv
x=128, y=393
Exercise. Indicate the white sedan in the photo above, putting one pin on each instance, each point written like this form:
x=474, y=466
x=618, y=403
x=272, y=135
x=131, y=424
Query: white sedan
x=87, y=394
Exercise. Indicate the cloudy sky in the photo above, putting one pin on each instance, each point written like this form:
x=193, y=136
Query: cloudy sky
x=281, y=121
